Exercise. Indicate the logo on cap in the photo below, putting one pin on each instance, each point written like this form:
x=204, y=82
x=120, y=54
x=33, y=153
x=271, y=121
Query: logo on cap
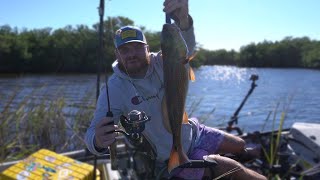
x=128, y=34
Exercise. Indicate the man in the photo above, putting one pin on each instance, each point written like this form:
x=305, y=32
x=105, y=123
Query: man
x=137, y=84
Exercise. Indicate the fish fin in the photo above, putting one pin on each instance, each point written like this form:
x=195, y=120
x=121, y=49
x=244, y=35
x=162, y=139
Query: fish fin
x=185, y=118
x=177, y=158
x=165, y=119
x=188, y=59
x=192, y=77
x=192, y=56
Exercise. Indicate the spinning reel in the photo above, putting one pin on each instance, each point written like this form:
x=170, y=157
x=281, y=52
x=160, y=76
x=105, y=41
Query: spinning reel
x=135, y=124
x=132, y=154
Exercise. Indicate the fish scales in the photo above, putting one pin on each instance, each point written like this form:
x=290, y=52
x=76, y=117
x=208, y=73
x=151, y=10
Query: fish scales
x=176, y=78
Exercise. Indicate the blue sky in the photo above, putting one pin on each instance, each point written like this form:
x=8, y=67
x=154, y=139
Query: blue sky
x=219, y=24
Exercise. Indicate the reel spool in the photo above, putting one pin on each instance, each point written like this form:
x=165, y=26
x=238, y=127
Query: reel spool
x=135, y=124
x=132, y=154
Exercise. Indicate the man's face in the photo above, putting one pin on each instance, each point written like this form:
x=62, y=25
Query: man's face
x=133, y=57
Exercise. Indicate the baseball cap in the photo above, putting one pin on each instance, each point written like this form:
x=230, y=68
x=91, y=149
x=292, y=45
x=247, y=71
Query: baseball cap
x=128, y=34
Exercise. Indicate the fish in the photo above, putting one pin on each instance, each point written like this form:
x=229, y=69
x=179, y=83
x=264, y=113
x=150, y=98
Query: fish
x=177, y=73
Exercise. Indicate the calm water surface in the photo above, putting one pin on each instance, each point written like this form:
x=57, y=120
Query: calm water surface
x=217, y=93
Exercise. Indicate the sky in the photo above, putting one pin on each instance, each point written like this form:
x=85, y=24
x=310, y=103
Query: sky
x=218, y=24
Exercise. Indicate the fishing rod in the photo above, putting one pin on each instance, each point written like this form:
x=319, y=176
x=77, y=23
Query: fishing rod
x=100, y=59
x=168, y=19
x=234, y=117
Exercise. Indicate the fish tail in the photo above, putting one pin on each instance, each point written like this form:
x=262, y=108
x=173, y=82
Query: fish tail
x=191, y=75
x=185, y=118
x=177, y=158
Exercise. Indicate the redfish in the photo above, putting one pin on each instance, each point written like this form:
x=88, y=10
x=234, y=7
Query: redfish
x=177, y=72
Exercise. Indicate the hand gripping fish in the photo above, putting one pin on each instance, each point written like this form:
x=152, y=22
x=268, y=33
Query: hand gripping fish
x=177, y=72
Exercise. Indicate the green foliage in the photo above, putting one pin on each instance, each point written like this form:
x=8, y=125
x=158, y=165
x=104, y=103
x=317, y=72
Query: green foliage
x=36, y=124
x=289, y=52
x=200, y=57
x=75, y=49
x=311, y=56
x=153, y=39
x=68, y=49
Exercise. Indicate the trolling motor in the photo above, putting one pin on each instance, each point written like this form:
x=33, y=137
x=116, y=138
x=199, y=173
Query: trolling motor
x=132, y=154
x=234, y=118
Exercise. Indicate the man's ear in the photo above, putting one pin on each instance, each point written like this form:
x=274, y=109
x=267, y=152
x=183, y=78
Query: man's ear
x=148, y=48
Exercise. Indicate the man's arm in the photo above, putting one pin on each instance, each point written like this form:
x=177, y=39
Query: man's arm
x=189, y=37
x=96, y=138
x=179, y=12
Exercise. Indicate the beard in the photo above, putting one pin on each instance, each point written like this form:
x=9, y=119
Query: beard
x=137, y=66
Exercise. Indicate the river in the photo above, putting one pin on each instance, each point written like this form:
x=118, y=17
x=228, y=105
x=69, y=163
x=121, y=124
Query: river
x=213, y=97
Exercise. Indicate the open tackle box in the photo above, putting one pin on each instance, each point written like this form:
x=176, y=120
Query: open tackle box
x=45, y=164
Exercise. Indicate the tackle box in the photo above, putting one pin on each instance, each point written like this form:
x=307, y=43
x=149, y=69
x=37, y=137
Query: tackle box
x=45, y=164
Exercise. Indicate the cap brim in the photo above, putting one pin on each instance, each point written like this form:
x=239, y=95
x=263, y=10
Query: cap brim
x=130, y=42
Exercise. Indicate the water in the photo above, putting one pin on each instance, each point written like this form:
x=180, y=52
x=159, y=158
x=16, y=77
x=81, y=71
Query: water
x=218, y=90
x=222, y=88
x=77, y=90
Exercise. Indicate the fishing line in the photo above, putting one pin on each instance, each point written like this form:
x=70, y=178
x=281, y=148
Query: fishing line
x=228, y=172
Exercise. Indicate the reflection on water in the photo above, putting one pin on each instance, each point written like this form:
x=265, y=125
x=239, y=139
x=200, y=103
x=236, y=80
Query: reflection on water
x=221, y=89
x=217, y=93
x=224, y=73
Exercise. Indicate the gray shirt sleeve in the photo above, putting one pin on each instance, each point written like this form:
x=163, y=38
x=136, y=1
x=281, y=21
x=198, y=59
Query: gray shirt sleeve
x=189, y=37
x=100, y=112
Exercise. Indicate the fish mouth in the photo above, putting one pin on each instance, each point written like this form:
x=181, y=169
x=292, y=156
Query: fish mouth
x=170, y=27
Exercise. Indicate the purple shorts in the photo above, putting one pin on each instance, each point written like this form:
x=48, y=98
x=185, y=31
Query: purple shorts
x=207, y=142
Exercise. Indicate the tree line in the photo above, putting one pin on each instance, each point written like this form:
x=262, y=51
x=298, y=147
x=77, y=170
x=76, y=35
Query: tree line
x=289, y=52
x=75, y=49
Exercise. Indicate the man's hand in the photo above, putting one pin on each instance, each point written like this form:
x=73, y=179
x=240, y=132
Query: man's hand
x=104, y=133
x=178, y=11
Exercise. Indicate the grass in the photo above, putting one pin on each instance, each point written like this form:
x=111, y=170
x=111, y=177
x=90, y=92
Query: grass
x=194, y=106
x=271, y=153
x=41, y=123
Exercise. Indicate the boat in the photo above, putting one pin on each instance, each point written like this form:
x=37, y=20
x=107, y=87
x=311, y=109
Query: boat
x=292, y=153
